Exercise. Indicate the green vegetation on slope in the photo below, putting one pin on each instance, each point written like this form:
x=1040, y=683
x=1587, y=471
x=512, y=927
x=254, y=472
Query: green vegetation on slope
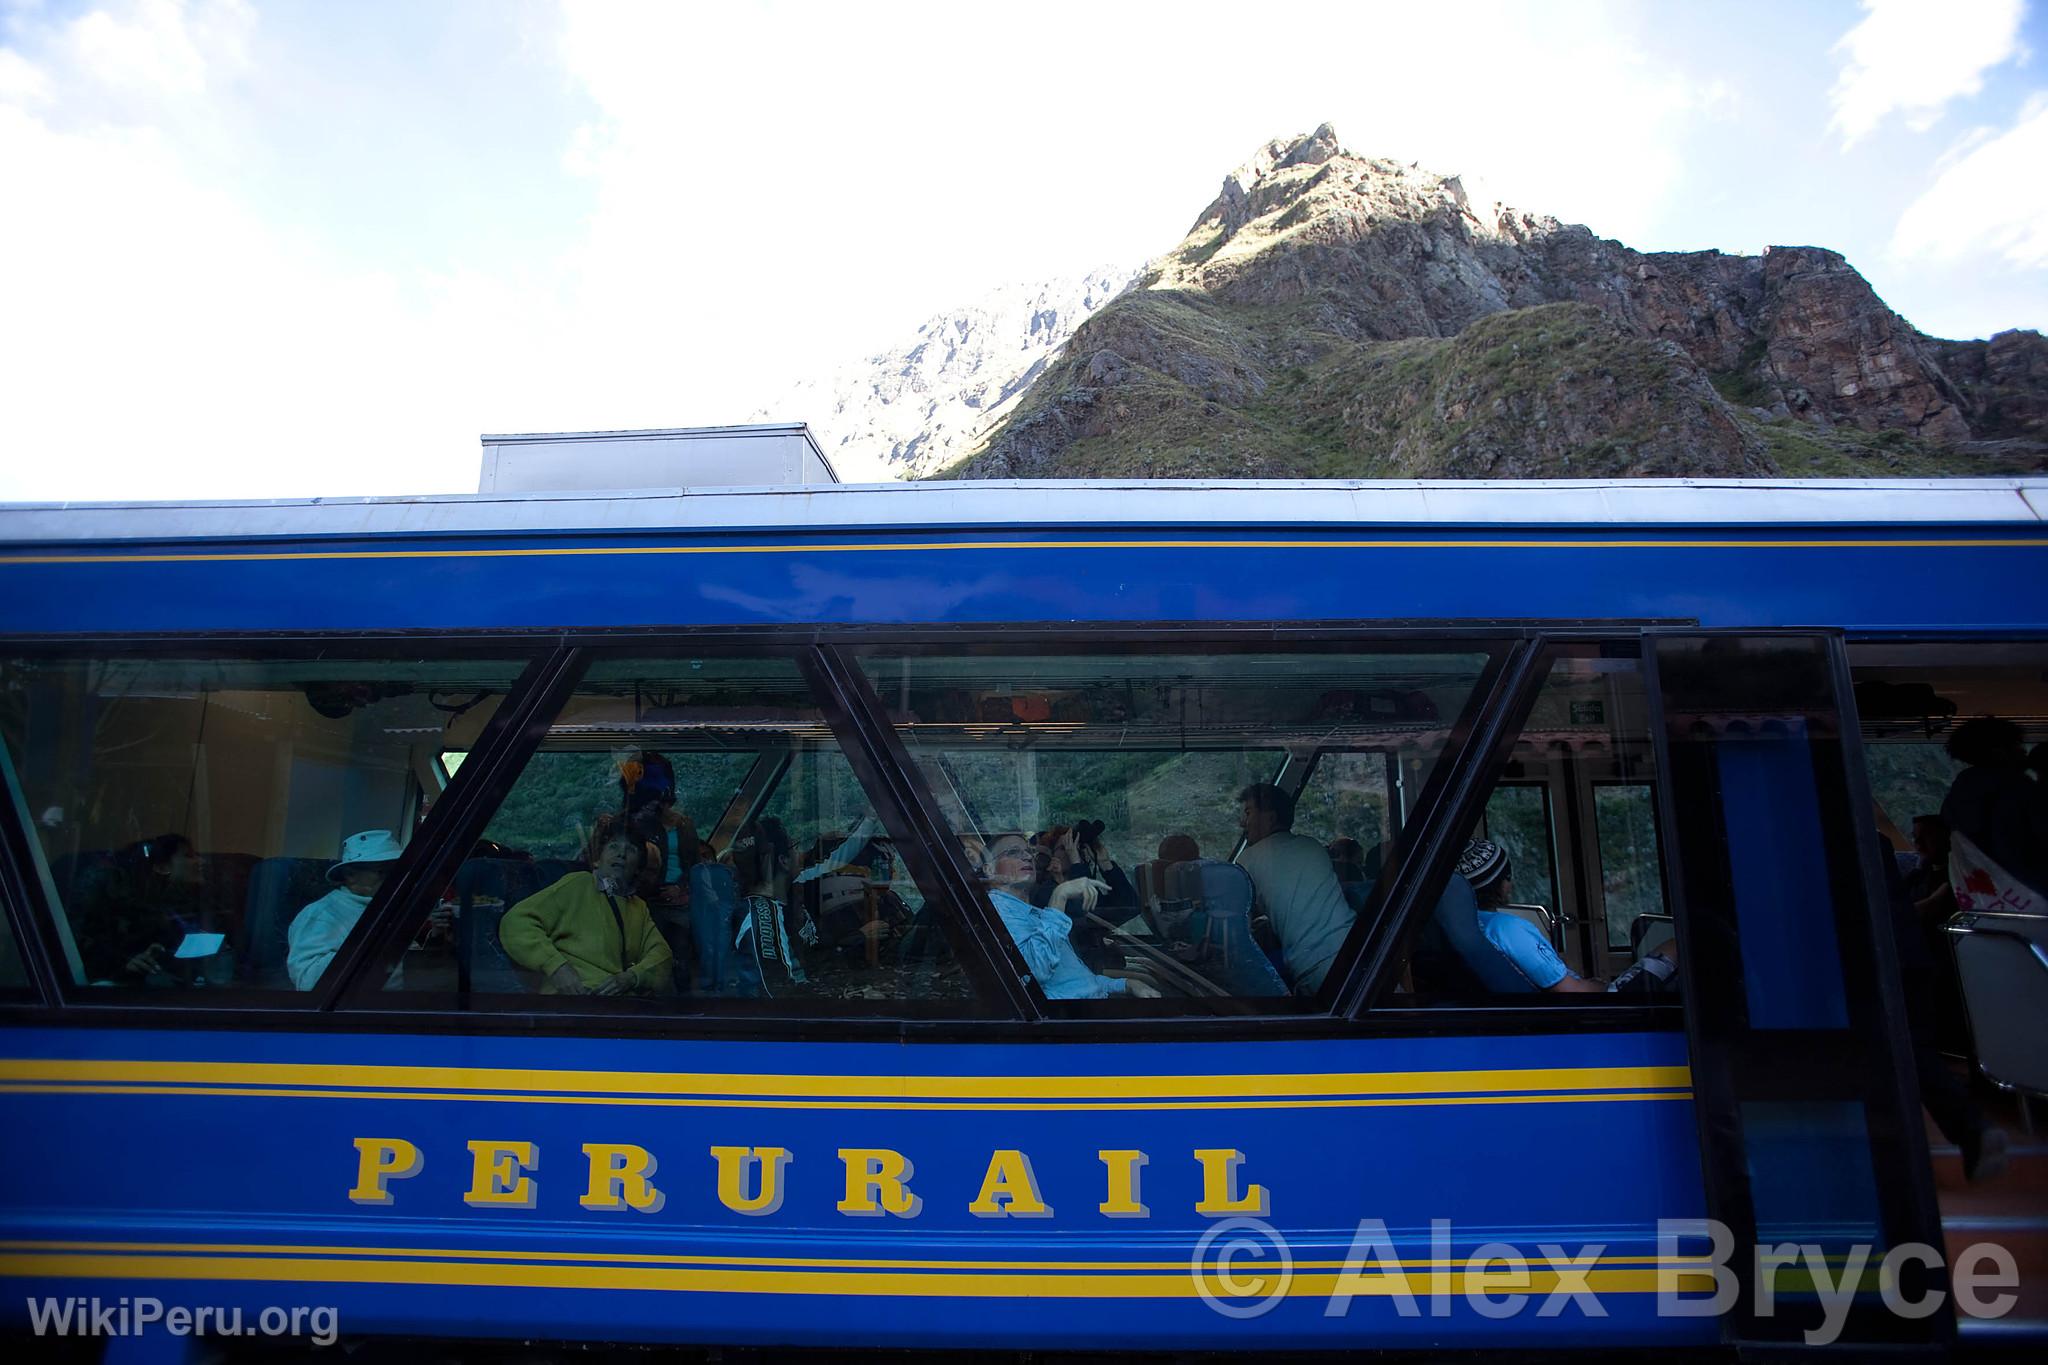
x=1173, y=384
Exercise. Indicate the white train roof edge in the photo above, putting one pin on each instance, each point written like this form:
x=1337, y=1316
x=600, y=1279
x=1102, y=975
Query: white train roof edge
x=1063, y=504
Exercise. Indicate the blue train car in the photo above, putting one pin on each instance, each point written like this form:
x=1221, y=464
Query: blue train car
x=1156, y=916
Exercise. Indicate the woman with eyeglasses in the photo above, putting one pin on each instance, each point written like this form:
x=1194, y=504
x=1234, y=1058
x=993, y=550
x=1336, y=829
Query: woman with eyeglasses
x=1042, y=934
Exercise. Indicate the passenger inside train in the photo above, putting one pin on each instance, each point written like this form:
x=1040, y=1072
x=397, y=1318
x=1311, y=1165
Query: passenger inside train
x=590, y=932
x=1275, y=791
x=138, y=909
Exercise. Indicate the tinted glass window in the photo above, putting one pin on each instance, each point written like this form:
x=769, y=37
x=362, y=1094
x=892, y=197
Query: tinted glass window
x=220, y=823
x=1631, y=867
x=690, y=836
x=1352, y=795
x=560, y=796
x=1558, y=894
x=1103, y=798
x=1142, y=796
x=1799, y=1019
x=13, y=974
x=1910, y=777
x=1955, y=741
x=1518, y=819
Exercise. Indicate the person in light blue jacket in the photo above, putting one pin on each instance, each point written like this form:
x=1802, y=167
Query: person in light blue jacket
x=1042, y=932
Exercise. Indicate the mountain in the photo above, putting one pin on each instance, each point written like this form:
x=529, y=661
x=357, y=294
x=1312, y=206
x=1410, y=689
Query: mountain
x=902, y=413
x=1332, y=315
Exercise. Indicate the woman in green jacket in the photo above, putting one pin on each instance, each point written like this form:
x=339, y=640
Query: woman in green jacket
x=588, y=934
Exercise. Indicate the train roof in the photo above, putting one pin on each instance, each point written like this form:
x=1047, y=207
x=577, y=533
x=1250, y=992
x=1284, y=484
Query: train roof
x=1062, y=504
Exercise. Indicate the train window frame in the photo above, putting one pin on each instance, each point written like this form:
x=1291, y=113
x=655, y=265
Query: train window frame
x=42, y=920
x=1841, y=1039
x=20, y=980
x=1371, y=991
x=1499, y=645
x=558, y=655
x=990, y=962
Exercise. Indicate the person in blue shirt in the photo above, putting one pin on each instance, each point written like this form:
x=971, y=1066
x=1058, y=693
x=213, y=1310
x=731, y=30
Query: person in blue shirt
x=1485, y=865
x=1042, y=933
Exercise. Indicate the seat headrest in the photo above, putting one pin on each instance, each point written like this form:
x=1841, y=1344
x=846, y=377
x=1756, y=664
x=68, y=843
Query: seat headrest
x=715, y=879
x=1220, y=887
x=1457, y=915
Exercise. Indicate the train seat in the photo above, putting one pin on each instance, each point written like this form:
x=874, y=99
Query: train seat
x=1538, y=915
x=1471, y=958
x=74, y=874
x=2002, y=961
x=1209, y=903
x=717, y=969
x=278, y=889
x=485, y=888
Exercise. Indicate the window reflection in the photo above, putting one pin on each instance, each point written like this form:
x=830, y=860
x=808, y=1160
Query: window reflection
x=689, y=835
x=191, y=813
x=1203, y=828
x=1558, y=891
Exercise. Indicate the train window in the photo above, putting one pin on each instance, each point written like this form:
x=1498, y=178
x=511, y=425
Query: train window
x=1951, y=733
x=1141, y=795
x=219, y=823
x=1104, y=795
x=1350, y=801
x=1558, y=895
x=1518, y=819
x=13, y=974
x=689, y=836
x=561, y=795
x=1631, y=869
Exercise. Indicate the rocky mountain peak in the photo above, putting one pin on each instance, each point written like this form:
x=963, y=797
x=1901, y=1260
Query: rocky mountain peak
x=1298, y=178
x=1279, y=154
x=1339, y=315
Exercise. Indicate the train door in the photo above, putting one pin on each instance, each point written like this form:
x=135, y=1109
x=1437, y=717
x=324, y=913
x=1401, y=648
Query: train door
x=1812, y=1147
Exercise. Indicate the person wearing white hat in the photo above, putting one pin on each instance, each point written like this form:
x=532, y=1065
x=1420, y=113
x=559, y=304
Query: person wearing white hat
x=319, y=930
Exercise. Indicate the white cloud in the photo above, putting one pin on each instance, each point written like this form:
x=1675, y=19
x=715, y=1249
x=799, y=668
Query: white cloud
x=163, y=341
x=1913, y=57
x=890, y=163
x=21, y=81
x=754, y=192
x=163, y=338
x=773, y=189
x=1991, y=200
x=161, y=47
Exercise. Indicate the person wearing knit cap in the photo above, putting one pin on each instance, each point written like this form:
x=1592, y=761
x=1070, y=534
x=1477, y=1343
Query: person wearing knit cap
x=1482, y=862
x=1487, y=867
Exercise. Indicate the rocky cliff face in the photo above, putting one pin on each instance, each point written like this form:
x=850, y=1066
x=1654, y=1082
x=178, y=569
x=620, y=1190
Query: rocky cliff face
x=903, y=412
x=1331, y=315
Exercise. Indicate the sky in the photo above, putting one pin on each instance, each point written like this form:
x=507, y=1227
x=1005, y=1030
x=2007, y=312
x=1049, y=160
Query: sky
x=282, y=248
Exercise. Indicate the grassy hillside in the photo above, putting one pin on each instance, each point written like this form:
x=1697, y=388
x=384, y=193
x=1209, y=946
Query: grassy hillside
x=1193, y=389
